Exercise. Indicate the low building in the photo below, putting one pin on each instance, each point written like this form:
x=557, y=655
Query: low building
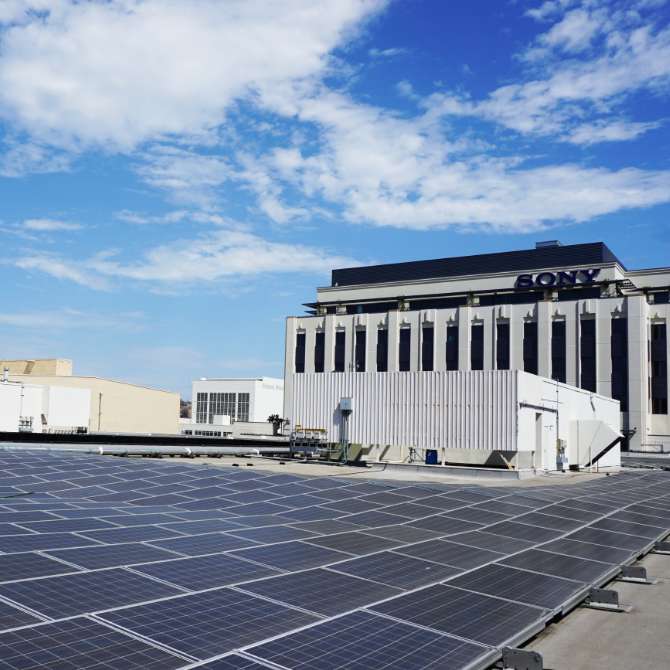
x=117, y=407
x=36, y=408
x=573, y=313
x=465, y=418
x=234, y=406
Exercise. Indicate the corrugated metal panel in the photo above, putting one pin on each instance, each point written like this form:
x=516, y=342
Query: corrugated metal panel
x=457, y=410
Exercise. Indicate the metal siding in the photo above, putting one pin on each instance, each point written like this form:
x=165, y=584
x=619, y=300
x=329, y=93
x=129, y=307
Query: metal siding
x=461, y=410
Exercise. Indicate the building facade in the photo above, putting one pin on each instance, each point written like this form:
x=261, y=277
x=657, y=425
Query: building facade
x=574, y=314
x=230, y=406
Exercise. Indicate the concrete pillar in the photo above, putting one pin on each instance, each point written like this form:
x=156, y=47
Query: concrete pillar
x=393, y=321
x=604, y=347
x=489, y=318
x=329, y=343
x=638, y=369
x=415, y=340
x=309, y=326
x=464, y=325
x=544, y=312
x=440, y=341
x=572, y=343
x=289, y=344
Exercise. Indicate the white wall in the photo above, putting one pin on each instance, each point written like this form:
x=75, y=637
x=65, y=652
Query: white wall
x=64, y=408
x=485, y=411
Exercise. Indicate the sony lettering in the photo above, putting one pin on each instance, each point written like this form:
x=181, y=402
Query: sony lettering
x=557, y=279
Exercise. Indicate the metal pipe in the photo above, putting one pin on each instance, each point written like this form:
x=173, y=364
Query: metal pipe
x=138, y=450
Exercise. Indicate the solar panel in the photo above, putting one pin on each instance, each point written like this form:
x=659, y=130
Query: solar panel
x=445, y=525
x=80, y=644
x=476, y=515
x=481, y=618
x=210, y=623
x=199, y=545
x=29, y=566
x=233, y=662
x=127, y=520
x=637, y=529
x=84, y=592
x=322, y=591
x=357, y=543
x=404, y=534
x=112, y=555
x=580, y=569
x=292, y=555
x=442, y=503
x=403, y=572
x=12, y=617
x=566, y=512
x=328, y=527
x=522, y=531
x=11, y=529
x=205, y=572
x=203, y=526
x=552, y=522
x=610, y=538
x=365, y=640
x=16, y=543
x=271, y=534
x=134, y=534
x=519, y=585
x=450, y=553
x=67, y=525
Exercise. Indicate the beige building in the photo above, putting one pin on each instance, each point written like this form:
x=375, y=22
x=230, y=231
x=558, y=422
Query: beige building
x=116, y=407
x=60, y=367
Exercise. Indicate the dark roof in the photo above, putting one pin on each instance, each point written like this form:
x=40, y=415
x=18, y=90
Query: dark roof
x=572, y=255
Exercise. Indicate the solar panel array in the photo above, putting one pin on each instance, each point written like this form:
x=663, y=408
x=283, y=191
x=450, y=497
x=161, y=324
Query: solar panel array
x=122, y=564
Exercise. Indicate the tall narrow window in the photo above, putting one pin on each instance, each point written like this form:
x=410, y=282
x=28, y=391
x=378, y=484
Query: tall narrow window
x=243, y=407
x=382, y=350
x=477, y=347
x=228, y=405
x=359, y=355
x=404, y=349
x=300, y=352
x=659, y=368
x=530, y=347
x=201, y=408
x=319, y=351
x=620, y=362
x=587, y=349
x=452, y=347
x=502, y=346
x=427, y=347
x=340, y=341
x=559, y=368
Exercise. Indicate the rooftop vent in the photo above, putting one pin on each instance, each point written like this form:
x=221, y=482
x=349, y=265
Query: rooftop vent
x=547, y=244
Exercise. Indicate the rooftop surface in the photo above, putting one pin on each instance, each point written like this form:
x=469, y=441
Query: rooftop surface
x=164, y=564
x=573, y=255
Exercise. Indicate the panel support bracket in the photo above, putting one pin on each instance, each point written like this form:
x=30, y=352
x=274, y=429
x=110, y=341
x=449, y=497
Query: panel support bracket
x=605, y=599
x=521, y=659
x=635, y=574
x=662, y=548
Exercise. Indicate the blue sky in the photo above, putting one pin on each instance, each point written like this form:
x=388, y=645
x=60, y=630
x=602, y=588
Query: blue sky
x=177, y=176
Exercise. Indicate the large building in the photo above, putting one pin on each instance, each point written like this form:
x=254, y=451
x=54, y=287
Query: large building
x=574, y=314
x=234, y=406
x=115, y=406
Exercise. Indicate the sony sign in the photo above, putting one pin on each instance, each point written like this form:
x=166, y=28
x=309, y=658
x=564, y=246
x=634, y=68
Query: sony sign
x=557, y=279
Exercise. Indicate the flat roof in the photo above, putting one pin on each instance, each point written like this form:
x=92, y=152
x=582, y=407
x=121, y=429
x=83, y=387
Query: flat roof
x=572, y=255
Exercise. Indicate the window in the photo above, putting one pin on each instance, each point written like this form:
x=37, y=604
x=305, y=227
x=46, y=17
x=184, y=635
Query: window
x=452, y=347
x=659, y=368
x=588, y=354
x=242, y=407
x=319, y=351
x=339, y=350
x=477, y=347
x=228, y=405
x=359, y=354
x=427, y=345
x=215, y=406
x=201, y=408
x=300, y=352
x=404, y=348
x=382, y=349
x=530, y=347
x=559, y=368
x=502, y=346
x=619, y=346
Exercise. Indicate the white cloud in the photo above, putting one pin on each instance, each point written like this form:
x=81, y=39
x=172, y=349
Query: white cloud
x=68, y=318
x=49, y=225
x=609, y=131
x=223, y=254
x=114, y=73
x=19, y=159
x=386, y=53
